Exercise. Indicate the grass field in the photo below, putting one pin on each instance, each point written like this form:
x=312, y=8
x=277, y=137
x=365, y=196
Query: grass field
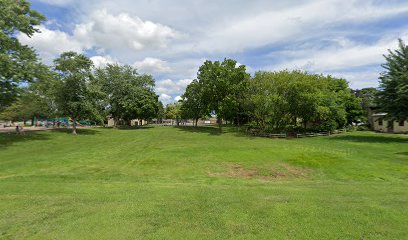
x=186, y=183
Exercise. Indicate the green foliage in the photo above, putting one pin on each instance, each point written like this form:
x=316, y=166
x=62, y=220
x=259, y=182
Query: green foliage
x=192, y=102
x=367, y=97
x=285, y=100
x=275, y=101
x=73, y=94
x=222, y=87
x=160, y=111
x=126, y=94
x=18, y=62
x=173, y=111
x=35, y=101
x=350, y=106
x=393, y=97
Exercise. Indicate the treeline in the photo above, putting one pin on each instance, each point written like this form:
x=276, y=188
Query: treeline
x=285, y=101
x=71, y=87
x=74, y=88
x=271, y=101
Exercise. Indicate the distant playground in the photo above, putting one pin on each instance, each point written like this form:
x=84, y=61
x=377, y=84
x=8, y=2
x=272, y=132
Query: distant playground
x=42, y=124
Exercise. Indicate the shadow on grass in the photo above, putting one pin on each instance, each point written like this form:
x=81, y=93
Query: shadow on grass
x=133, y=127
x=402, y=153
x=80, y=131
x=8, y=139
x=213, y=130
x=372, y=139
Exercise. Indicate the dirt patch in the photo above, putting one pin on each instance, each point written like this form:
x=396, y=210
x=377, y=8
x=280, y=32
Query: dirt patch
x=278, y=172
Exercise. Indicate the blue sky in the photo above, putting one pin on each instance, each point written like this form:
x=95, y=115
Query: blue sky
x=171, y=39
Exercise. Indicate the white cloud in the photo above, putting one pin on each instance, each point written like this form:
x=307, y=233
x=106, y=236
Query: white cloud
x=51, y=43
x=122, y=32
x=359, y=80
x=343, y=56
x=119, y=34
x=178, y=98
x=299, y=21
x=152, y=66
x=169, y=86
x=102, y=61
x=359, y=64
x=165, y=98
x=327, y=36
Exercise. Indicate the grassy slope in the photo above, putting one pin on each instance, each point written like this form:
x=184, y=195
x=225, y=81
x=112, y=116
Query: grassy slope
x=167, y=182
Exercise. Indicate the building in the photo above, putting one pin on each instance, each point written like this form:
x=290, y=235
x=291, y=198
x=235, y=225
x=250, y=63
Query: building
x=380, y=124
x=134, y=122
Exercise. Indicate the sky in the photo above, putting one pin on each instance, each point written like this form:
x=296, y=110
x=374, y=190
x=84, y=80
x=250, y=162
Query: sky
x=171, y=39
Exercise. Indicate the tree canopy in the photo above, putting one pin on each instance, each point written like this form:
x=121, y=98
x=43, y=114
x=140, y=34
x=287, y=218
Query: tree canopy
x=193, y=102
x=222, y=85
x=295, y=100
x=273, y=101
x=393, y=97
x=173, y=111
x=73, y=92
x=18, y=62
x=126, y=94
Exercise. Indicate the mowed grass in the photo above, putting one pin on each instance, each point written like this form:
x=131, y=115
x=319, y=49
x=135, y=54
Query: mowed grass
x=187, y=183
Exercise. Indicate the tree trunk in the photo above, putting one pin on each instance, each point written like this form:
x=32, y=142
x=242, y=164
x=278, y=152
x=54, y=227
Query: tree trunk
x=74, y=126
x=32, y=122
x=115, y=123
x=196, y=122
x=219, y=120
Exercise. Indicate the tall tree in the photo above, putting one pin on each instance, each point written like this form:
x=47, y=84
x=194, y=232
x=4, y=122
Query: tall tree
x=289, y=100
x=350, y=108
x=18, y=62
x=368, y=101
x=393, y=97
x=73, y=93
x=127, y=94
x=160, y=112
x=222, y=83
x=192, y=102
x=173, y=111
x=36, y=100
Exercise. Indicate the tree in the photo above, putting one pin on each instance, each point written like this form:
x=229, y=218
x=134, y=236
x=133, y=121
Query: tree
x=192, y=102
x=269, y=109
x=173, y=111
x=222, y=85
x=18, y=62
x=36, y=100
x=367, y=97
x=349, y=104
x=296, y=100
x=160, y=112
x=127, y=95
x=393, y=96
x=73, y=93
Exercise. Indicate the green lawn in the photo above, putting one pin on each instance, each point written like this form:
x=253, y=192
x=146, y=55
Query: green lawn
x=186, y=183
